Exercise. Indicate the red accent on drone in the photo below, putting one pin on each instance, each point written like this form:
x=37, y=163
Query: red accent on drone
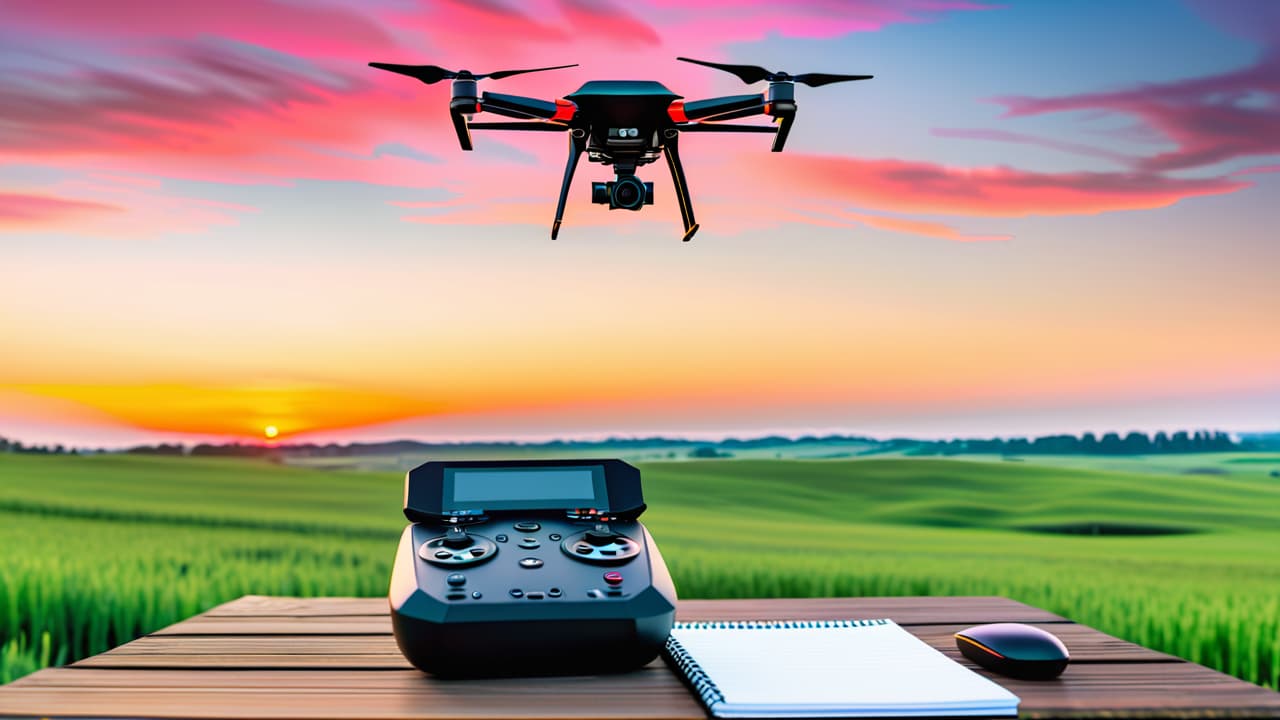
x=565, y=110
x=676, y=111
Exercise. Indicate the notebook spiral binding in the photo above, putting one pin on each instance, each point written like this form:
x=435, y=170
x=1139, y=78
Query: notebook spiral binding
x=692, y=673
x=701, y=683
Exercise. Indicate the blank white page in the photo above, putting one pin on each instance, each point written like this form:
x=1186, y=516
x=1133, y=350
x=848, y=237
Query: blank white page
x=840, y=669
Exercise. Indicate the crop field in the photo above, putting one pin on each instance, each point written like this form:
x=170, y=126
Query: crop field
x=1179, y=554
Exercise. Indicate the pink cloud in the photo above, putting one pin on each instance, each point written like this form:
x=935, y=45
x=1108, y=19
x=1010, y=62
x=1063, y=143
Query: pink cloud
x=1257, y=170
x=112, y=208
x=918, y=187
x=193, y=96
x=1210, y=119
x=305, y=28
x=751, y=20
x=610, y=21
x=22, y=210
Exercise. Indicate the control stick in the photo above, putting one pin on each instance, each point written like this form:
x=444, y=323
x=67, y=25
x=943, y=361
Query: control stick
x=600, y=536
x=457, y=538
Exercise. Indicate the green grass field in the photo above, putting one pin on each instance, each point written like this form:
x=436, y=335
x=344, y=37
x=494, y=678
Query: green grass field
x=100, y=549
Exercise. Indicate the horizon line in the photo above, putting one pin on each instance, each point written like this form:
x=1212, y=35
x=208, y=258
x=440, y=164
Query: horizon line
x=719, y=439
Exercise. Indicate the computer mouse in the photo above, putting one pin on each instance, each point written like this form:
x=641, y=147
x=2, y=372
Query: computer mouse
x=1013, y=649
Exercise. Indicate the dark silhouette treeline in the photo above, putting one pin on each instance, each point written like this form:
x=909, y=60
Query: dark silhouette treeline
x=15, y=446
x=1133, y=443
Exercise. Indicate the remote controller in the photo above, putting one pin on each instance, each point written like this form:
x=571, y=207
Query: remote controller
x=530, y=567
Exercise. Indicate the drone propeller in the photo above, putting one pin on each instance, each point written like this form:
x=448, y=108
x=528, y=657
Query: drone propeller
x=431, y=74
x=752, y=74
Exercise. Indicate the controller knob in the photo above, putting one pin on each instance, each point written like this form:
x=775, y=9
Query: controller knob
x=598, y=538
x=458, y=539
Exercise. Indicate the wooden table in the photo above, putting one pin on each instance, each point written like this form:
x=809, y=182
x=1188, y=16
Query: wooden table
x=270, y=657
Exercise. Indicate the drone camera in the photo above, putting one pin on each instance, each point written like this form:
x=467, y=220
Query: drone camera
x=627, y=193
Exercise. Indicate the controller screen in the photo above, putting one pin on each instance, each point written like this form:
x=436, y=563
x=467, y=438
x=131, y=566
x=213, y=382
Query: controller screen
x=514, y=488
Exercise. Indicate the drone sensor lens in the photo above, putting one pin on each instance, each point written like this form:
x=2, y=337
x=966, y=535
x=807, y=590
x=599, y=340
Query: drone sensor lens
x=627, y=195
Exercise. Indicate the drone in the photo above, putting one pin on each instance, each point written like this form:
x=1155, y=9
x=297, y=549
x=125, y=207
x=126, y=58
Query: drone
x=623, y=123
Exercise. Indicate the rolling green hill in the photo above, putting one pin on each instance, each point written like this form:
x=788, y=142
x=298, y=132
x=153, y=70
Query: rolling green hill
x=100, y=549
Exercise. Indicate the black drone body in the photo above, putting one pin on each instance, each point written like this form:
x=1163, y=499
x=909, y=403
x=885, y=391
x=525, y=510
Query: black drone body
x=624, y=123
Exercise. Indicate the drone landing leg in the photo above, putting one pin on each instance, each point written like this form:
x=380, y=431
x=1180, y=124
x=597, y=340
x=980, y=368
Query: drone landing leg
x=460, y=127
x=682, y=189
x=576, y=146
x=784, y=129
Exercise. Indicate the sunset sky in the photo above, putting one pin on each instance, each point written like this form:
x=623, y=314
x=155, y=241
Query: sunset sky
x=1038, y=217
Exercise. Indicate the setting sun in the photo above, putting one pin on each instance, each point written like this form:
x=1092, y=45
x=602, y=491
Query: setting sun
x=270, y=431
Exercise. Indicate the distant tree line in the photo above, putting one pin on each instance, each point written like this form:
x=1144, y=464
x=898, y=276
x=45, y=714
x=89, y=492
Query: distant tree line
x=1260, y=441
x=161, y=449
x=1133, y=443
x=14, y=446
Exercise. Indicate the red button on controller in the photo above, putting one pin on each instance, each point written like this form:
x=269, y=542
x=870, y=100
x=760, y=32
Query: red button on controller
x=613, y=577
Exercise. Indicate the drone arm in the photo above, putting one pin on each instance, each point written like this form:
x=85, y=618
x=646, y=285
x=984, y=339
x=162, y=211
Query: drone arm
x=758, y=109
x=517, y=106
x=514, y=106
x=682, y=188
x=715, y=108
x=726, y=128
x=534, y=125
x=778, y=103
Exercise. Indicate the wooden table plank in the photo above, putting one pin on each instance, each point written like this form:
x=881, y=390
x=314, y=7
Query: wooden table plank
x=380, y=652
x=1114, y=690
x=282, y=625
x=299, y=607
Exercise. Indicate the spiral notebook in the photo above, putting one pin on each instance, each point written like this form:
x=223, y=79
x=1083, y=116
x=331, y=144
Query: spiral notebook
x=844, y=668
